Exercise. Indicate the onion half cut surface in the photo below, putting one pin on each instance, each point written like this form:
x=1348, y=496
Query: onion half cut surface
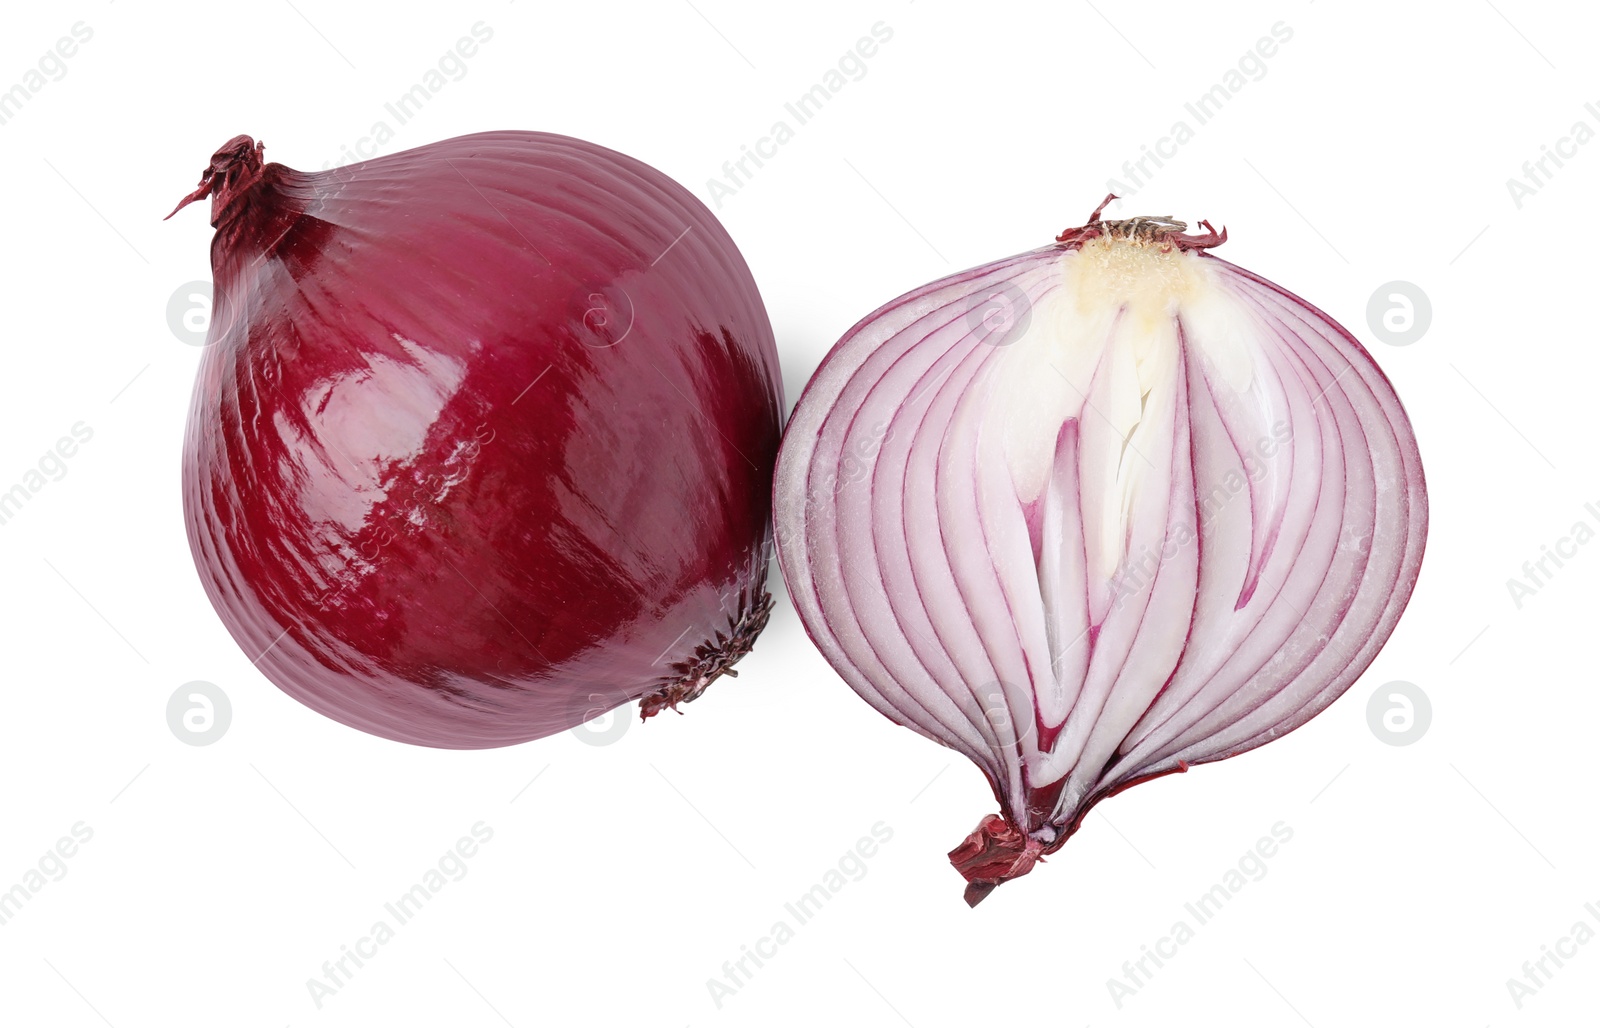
x=1097, y=513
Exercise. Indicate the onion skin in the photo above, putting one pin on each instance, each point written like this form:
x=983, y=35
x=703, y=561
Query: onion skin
x=1160, y=513
x=482, y=438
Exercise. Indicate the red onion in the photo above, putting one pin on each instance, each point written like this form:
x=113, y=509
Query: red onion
x=1095, y=514
x=482, y=440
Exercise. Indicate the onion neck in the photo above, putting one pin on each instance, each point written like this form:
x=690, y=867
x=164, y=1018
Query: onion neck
x=233, y=171
x=1000, y=849
x=254, y=207
x=253, y=219
x=996, y=852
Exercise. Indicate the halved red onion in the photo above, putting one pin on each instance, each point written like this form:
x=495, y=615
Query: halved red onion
x=1097, y=513
x=482, y=440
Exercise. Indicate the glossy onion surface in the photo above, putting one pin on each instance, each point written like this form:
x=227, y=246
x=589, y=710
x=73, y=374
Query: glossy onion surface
x=1097, y=513
x=482, y=439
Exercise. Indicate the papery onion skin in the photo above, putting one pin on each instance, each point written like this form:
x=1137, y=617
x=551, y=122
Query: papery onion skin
x=482, y=438
x=1097, y=513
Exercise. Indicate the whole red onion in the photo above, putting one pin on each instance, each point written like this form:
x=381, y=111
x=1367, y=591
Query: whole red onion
x=482, y=439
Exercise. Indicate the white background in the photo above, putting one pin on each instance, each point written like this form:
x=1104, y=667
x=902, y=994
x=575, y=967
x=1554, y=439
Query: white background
x=1376, y=147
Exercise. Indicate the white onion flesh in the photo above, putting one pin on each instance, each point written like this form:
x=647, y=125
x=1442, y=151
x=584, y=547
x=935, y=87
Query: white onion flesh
x=1168, y=519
